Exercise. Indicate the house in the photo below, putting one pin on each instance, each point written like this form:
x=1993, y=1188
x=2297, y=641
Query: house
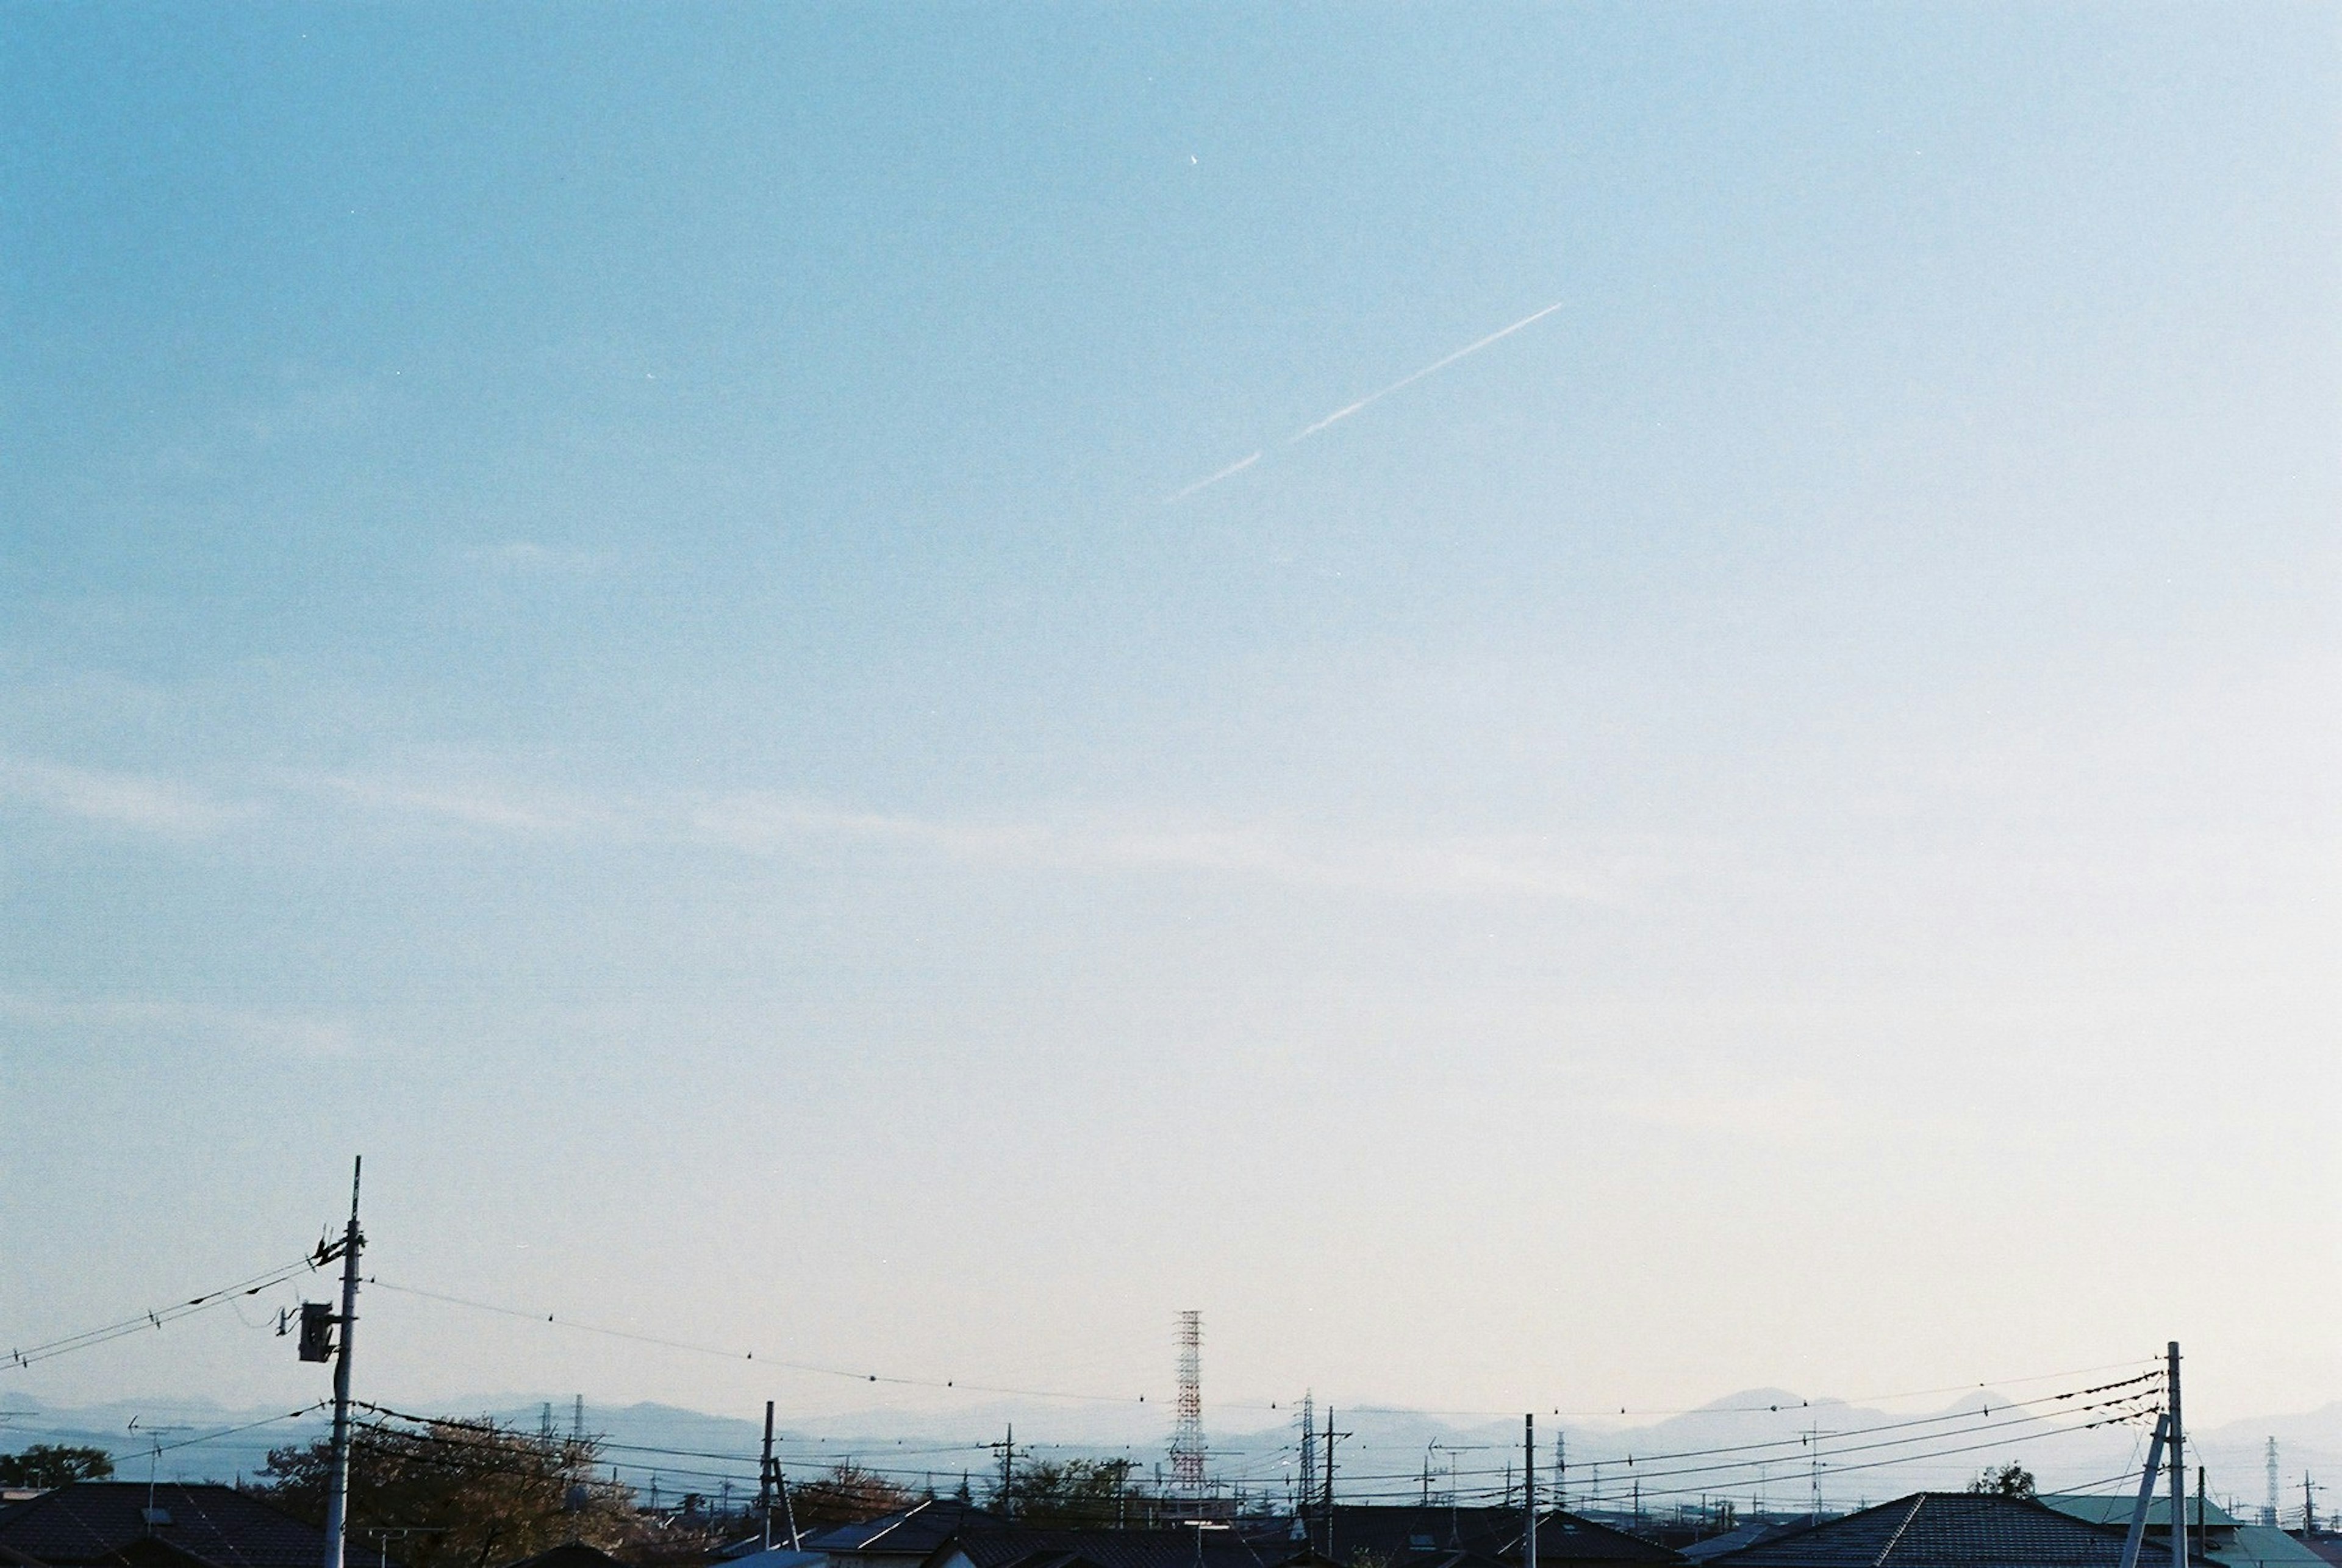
x=1020, y=1546
x=899, y=1539
x=130, y=1524
x=1434, y=1535
x=1942, y=1529
x=2224, y=1538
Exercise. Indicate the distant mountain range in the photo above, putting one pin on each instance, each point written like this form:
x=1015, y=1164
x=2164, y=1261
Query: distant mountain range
x=1766, y=1445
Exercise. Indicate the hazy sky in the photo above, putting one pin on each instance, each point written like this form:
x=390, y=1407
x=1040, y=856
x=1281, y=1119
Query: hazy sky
x=589, y=609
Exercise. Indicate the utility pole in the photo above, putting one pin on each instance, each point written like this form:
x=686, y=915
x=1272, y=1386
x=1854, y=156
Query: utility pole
x=765, y=1485
x=2179, y=1460
x=1529, y=1490
x=337, y=1478
x=2146, y=1480
x=2308, y=1509
x=1329, y=1481
x=1007, y=1471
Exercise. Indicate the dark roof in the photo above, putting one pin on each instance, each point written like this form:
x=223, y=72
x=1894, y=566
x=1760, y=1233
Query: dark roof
x=105, y=1522
x=570, y=1554
x=1565, y=1537
x=913, y=1532
x=1733, y=1539
x=2326, y=1544
x=1940, y=1530
x=1431, y=1536
x=1403, y=1531
x=1018, y=1546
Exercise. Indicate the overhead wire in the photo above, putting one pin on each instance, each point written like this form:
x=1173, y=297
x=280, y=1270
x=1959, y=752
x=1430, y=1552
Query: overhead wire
x=155, y=1317
x=1709, y=1478
x=966, y=1386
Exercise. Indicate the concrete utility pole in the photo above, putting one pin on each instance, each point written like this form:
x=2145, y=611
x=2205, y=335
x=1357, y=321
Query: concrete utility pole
x=2179, y=1460
x=1529, y=1490
x=1007, y=1472
x=337, y=1477
x=1329, y=1481
x=2148, y=1477
x=765, y=1485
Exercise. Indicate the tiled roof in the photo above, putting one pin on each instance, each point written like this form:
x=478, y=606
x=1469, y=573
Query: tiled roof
x=1941, y=1530
x=2105, y=1508
x=103, y=1522
x=1016, y=1546
x=1565, y=1538
x=913, y=1532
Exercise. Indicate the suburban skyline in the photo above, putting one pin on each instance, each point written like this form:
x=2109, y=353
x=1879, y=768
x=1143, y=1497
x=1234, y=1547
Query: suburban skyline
x=664, y=627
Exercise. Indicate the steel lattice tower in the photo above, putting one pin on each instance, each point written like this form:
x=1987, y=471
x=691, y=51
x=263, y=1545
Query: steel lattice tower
x=2268, y=1513
x=1187, y=1437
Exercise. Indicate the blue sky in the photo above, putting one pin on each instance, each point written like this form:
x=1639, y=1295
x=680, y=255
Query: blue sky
x=591, y=610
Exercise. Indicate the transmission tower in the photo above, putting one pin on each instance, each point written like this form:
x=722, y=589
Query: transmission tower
x=2269, y=1512
x=1308, y=1455
x=1187, y=1437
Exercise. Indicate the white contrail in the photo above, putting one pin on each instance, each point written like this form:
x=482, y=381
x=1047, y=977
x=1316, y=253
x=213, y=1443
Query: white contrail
x=1236, y=467
x=1341, y=413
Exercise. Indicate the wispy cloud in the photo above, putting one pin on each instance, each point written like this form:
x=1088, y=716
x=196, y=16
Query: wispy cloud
x=1531, y=864
x=136, y=801
x=186, y=1023
x=764, y=822
x=499, y=808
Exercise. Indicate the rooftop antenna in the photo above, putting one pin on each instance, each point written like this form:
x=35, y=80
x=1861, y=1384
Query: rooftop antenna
x=155, y=1435
x=1187, y=1436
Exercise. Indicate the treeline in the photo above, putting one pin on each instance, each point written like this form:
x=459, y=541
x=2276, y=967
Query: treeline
x=451, y=1494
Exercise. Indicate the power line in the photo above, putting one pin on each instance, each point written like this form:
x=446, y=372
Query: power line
x=962, y=1385
x=725, y=1355
x=156, y=1317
